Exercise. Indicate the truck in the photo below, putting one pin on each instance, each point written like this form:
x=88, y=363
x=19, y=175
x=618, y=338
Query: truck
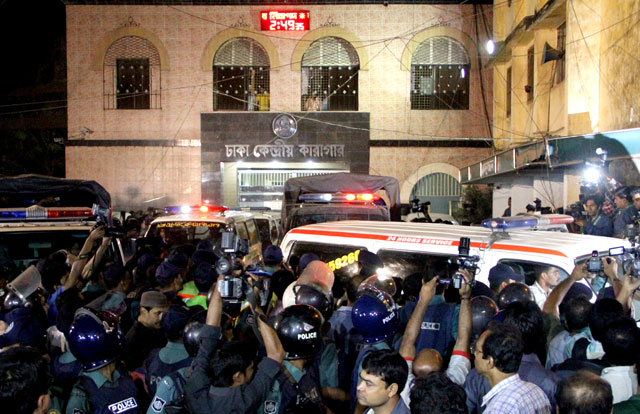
x=339, y=196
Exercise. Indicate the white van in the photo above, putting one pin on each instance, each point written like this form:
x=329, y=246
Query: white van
x=407, y=248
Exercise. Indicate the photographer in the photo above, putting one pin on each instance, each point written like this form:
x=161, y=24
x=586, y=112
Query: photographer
x=596, y=223
x=243, y=395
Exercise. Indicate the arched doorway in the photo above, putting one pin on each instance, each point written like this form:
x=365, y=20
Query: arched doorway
x=441, y=189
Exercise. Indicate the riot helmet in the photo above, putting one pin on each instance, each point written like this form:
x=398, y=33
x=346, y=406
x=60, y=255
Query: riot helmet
x=299, y=329
x=193, y=332
x=514, y=292
x=483, y=309
x=21, y=289
x=314, y=297
x=95, y=338
x=374, y=316
x=378, y=283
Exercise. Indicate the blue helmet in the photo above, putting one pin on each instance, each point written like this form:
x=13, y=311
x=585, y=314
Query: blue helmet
x=375, y=317
x=95, y=338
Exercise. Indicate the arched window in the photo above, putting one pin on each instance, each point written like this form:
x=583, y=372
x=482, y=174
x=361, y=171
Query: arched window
x=132, y=74
x=440, y=189
x=440, y=75
x=330, y=76
x=241, y=76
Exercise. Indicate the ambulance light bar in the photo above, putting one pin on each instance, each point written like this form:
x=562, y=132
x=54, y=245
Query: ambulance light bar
x=194, y=209
x=44, y=213
x=526, y=221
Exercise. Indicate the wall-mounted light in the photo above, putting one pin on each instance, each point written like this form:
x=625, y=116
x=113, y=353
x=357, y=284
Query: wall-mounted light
x=490, y=46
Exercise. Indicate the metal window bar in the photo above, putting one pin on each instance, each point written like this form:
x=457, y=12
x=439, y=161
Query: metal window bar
x=437, y=185
x=241, y=78
x=136, y=50
x=440, y=70
x=330, y=76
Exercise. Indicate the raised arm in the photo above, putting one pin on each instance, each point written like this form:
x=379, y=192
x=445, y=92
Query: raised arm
x=411, y=333
x=558, y=293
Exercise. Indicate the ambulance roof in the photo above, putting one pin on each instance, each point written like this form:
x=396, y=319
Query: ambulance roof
x=542, y=242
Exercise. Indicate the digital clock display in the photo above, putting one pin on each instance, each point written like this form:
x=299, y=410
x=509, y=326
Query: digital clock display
x=288, y=21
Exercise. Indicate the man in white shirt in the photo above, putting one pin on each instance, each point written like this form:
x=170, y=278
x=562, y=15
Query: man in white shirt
x=498, y=353
x=548, y=278
x=621, y=350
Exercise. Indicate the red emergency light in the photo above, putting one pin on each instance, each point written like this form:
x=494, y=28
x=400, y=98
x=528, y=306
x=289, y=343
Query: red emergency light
x=284, y=20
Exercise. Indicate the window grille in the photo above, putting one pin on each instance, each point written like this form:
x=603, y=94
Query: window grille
x=241, y=76
x=530, y=68
x=561, y=44
x=330, y=76
x=440, y=70
x=508, y=93
x=131, y=75
x=437, y=185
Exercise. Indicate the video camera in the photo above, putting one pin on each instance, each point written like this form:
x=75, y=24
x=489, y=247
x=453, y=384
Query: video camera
x=595, y=265
x=104, y=217
x=232, y=288
x=464, y=261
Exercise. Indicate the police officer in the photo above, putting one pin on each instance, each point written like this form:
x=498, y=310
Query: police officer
x=375, y=317
x=170, y=390
x=163, y=361
x=297, y=387
x=440, y=324
x=104, y=387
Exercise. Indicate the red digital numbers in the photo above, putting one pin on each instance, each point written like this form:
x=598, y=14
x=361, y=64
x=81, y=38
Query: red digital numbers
x=288, y=20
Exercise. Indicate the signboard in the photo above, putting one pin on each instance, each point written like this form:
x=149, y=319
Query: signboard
x=287, y=20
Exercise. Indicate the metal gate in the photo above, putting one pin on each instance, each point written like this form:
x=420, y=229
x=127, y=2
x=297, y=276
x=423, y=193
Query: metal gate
x=264, y=188
x=442, y=190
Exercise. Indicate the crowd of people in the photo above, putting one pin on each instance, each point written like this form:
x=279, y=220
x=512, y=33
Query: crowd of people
x=167, y=334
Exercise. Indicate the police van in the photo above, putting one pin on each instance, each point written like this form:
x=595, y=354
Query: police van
x=41, y=215
x=189, y=224
x=407, y=248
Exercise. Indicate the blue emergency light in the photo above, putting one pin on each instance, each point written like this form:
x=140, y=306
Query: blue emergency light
x=526, y=221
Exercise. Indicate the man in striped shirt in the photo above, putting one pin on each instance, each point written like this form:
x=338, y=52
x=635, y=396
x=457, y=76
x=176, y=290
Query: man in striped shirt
x=498, y=353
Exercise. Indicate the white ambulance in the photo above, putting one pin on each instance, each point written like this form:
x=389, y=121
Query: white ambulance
x=190, y=224
x=407, y=248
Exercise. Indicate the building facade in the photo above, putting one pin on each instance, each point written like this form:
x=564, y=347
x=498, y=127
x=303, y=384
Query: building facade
x=562, y=69
x=181, y=104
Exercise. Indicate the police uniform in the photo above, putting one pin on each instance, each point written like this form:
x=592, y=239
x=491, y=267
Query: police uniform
x=163, y=361
x=167, y=392
x=65, y=369
x=95, y=394
x=293, y=386
x=439, y=327
x=329, y=366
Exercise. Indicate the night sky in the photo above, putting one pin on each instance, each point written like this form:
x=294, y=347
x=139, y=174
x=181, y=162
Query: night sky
x=32, y=33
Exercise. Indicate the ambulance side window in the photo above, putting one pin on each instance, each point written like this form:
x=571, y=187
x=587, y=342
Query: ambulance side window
x=402, y=264
x=531, y=270
x=241, y=231
x=254, y=238
x=342, y=259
